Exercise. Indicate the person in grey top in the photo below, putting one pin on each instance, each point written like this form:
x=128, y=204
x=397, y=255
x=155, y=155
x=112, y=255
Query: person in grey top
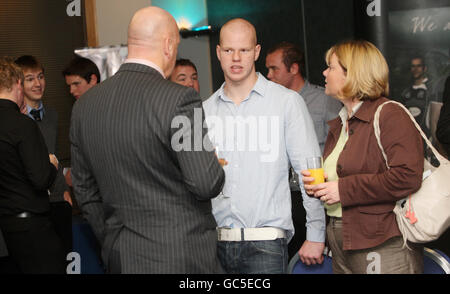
x=286, y=66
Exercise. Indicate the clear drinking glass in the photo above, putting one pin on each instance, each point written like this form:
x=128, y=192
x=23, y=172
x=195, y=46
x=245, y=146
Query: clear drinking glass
x=315, y=167
x=222, y=161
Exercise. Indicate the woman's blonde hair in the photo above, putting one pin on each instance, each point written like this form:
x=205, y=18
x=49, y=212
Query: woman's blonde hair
x=365, y=67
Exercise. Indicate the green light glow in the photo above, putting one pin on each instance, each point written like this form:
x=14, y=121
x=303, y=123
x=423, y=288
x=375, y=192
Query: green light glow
x=187, y=13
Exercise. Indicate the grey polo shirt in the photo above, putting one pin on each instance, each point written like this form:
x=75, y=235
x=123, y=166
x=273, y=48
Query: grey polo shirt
x=322, y=108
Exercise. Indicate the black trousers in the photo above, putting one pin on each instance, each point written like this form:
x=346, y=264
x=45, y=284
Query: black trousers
x=61, y=217
x=33, y=246
x=299, y=220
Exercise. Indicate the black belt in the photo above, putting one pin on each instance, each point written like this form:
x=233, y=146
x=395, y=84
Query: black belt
x=25, y=214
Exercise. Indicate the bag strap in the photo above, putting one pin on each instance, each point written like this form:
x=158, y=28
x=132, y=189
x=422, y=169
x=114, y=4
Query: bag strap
x=376, y=126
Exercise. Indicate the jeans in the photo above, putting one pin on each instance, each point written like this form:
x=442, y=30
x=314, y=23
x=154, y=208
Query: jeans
x=254, y=257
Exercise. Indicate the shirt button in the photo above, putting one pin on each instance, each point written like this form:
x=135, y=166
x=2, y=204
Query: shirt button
x=350, y=132
x=339, y=167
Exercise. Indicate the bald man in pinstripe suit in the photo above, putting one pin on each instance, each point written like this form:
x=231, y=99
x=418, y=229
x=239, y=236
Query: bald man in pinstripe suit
x=148, y=203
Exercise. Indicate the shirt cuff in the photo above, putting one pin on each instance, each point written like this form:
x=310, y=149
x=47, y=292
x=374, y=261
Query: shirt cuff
x=314, y=235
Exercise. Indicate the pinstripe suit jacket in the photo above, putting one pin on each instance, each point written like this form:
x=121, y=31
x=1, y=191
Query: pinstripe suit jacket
x=149, y=205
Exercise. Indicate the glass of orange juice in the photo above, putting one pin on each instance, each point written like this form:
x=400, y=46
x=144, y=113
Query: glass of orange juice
x=222, y=161
x=315, y=167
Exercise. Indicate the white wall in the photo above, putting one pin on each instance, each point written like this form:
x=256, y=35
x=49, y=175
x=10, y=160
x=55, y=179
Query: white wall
x=113, y=17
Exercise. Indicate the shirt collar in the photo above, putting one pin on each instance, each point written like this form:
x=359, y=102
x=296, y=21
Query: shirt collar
x=261, y=85
x=40, y=109
x=422, y=85
x=343, y=114
x=147, y=63
x=260, y=88
x=305, y=87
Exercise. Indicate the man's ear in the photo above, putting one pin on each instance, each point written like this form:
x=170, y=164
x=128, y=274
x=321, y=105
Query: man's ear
x=218, y=51
x=20, y=98
x=94, y=80
x=257, y=51
x=294, y=69
x=169, y=44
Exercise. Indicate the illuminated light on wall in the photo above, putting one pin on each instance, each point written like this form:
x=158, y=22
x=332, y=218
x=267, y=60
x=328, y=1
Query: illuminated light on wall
x=202, y=28
x=198, y=31
x=187, y=13
x=184, y=24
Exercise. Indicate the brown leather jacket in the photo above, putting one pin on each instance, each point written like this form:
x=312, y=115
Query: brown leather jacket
x=368, y=190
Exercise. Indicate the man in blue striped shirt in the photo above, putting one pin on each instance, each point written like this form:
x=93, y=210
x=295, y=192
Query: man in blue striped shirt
x=259, y=128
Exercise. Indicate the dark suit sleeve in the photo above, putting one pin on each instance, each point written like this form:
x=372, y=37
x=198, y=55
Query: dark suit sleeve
x=54, y=123
x=86, y=190
x=443, y=125
x=49, y=129
x=34, y=154
x=3, y=246
x=59, y=187
x=201, y=170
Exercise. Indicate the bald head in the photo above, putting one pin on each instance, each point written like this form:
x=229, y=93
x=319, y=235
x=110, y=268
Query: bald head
x=150, y=25
x=153, y=35
x=237, y=52
x=238, y=25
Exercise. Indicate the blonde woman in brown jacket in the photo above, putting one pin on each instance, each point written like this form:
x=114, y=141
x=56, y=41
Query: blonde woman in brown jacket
x=360, y=192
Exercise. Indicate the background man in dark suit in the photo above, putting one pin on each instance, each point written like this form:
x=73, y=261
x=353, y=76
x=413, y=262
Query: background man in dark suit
x=45, y=116
x=147, y=200
x=47, y=120
x=422, y=91
x=26, y=174
x=81, y=74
